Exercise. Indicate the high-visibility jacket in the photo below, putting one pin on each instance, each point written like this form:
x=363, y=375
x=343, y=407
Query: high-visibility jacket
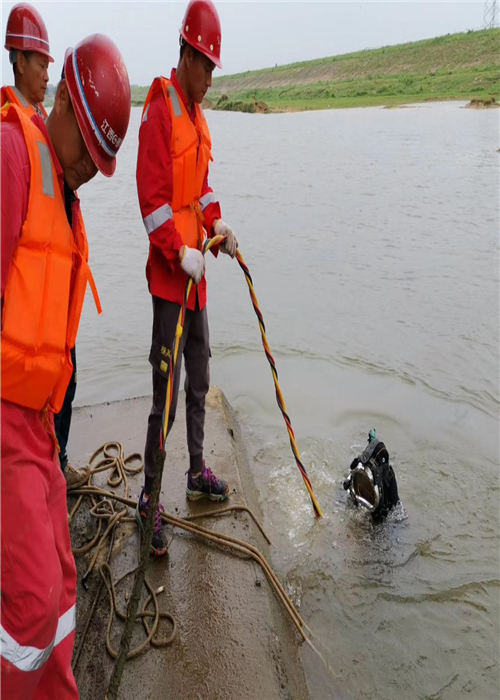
x=12, y=95
x=45, y=287
x=191, y=153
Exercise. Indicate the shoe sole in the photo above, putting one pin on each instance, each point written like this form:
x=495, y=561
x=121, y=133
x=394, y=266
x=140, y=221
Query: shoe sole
x=198, y=495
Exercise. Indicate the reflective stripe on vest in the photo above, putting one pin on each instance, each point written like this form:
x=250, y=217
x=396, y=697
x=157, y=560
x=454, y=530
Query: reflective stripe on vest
x=175, y=100
x=24, y=102
x=27, y=658
x=46, y=164
x=157, y=218
x=208, y=198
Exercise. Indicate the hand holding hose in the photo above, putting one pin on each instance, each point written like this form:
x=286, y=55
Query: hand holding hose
x=192, y=262
x=230, y=242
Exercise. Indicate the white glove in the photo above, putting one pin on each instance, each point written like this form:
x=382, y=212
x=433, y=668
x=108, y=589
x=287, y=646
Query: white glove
x=231, y=243
x=192, y=262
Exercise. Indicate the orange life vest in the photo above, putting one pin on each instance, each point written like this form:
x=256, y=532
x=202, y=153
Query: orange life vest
x=191, y=153
x=10, y=94
x=45, y=286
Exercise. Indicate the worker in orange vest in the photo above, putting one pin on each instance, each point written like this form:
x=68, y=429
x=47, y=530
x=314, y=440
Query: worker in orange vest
x=45, y=272
x=179, y=210
x=27, y=42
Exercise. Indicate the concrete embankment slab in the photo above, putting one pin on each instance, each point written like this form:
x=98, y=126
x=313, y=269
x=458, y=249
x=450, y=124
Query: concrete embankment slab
x=234, y=639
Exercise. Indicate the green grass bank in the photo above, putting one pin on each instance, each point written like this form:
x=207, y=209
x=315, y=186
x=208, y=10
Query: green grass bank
x=463, y=66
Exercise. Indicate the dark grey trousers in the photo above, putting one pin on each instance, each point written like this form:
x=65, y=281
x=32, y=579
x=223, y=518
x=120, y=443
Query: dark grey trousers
x=194, y=346
x=62, y=420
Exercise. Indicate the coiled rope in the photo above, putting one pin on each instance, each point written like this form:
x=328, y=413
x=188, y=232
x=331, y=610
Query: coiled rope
x=102, y=508
x=233, y=543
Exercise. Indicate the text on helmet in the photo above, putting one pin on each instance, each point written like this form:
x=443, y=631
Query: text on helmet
x=110, y=134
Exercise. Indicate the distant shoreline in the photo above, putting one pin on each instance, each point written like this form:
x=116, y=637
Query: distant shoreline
x=394, y=103
x=464, y=66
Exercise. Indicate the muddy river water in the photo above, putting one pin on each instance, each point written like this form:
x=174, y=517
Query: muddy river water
x=372, y=239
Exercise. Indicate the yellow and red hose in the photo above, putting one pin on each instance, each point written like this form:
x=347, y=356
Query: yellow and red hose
x=209, y=242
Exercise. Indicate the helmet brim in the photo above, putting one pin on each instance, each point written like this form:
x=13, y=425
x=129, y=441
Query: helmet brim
x=19, y=46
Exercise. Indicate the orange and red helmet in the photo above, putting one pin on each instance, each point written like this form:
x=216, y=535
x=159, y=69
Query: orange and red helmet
x=99, y=88
x=201, y=29
x=26, y=31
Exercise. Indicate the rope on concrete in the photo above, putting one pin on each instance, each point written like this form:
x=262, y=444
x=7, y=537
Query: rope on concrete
x=102, y=508
x=226, y=511
x=233, y=543
x=107, y=578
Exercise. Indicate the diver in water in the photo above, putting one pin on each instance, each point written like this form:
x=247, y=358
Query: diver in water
x=371, y=482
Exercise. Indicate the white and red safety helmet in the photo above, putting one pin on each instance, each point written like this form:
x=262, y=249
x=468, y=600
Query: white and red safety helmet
x=201, y=29
x=26, y=31
x=99, y=88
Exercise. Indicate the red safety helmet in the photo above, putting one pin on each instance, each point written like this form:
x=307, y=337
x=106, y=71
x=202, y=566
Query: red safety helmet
x=26, y=31
x=201, y=29
x=99, y=88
